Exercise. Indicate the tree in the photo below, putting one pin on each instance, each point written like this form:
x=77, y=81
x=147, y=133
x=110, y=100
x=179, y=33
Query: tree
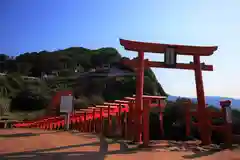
x=3, y=57
x=28, y=101
x=105, y=56
x=81, y=102
x=23, y=68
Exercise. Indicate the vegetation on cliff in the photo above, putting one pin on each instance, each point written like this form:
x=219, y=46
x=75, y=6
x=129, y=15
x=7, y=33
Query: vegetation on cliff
x=41, y=74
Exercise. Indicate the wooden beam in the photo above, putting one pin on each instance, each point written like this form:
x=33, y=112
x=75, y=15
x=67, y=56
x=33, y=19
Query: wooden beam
x=111, y=104
x=80, y=112
x=186, y=66
x=86, y=109
x=152, y=97
x=161, y=48
x=121, y=101
x=93, y=108
x=101, y=106
x=129, y=98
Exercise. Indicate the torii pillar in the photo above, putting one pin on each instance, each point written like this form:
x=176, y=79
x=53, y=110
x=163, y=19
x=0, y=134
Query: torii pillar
x=127, y=117
x=170, y=61
x=110, y=107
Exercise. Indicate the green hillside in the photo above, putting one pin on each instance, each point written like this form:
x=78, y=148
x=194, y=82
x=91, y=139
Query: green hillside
x=38, y=75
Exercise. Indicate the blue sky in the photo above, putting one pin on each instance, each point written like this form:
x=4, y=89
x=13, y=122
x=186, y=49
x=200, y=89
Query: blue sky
x=35, y=25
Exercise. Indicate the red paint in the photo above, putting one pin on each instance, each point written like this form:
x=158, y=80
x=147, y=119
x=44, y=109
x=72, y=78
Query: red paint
x=125, y=125
x=101, y=120
x=109, y=121
x=55, y=102
x=130, y=121
x=156, y=64
x=161, y=48
x=146, y=122
x=94, y=121
x=226, y=128
x=203, y=117
x=196, y=52
x=90, y=125
x=84, y=122
x=161, y=122
x=119, y=111
x=139, y=95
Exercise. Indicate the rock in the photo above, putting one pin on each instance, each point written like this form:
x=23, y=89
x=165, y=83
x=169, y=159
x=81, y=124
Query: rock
x=214, y=146
x=183, y=148
x=235, y=145
x=201, y=149
x=174, y=149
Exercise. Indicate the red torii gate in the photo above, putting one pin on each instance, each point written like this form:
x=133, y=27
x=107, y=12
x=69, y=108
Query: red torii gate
x=225, y=128
x=99, y=111
x=128, y=116
x=143, y=113
x=118, y=109
x=170, y=61
x=85, y=118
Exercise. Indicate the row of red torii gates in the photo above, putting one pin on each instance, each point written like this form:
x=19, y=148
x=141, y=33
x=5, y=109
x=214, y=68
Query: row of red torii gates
x=138, y=106
x=91, y=119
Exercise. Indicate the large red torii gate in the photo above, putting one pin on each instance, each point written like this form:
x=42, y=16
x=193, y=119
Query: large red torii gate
x=170, y=61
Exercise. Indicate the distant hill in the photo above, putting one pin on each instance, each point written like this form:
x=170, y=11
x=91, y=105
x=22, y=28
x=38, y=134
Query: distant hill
x=94, y=76
x=212, y=100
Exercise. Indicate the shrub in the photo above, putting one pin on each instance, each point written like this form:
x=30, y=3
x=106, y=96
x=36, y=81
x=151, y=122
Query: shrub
x=28, y=101
x=81, y=102
x=95, y=99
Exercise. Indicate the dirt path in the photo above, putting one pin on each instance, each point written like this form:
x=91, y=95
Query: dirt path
x=37, y=144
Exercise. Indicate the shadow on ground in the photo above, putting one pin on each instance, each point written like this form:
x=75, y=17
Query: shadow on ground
x=26, y=134
x=17, y=135
x=92, y=155
x=197, y=150
x=86, y=155
x=197, y=153
x=208, y=153
x=83, y=134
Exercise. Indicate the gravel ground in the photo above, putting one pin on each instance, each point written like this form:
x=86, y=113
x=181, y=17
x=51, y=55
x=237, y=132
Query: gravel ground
x=38, y=144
